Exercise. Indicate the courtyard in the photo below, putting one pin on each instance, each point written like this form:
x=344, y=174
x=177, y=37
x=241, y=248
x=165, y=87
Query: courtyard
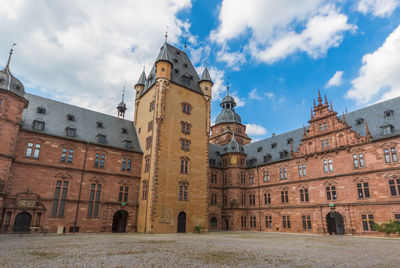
x=222, y=249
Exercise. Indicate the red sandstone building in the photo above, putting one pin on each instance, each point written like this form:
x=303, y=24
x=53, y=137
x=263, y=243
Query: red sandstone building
x=69, y=169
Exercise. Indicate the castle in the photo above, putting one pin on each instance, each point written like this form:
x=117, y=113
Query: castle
x=68, y=169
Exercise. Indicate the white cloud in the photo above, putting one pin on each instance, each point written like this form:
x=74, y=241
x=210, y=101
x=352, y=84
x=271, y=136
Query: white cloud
x=379, y=8
x=218, y=89
x=336, y=80
x=255, y=130
x=232, y=59
x=84, y=52
x=270, y=95
x=379, y=75
x=273, y=27
x=253, y=95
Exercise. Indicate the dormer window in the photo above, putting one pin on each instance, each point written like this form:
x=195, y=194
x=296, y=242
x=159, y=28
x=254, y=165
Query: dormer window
x=40, y=110
x=101, y=138
x=99, y=124
x=388, y=113
x=70, y=132
x=70, y=117
x=267, y=158
x=387, y=129
x=175, y=60
x=177, y=52
x=124, y=130
x=176, y=71
x=186, y=80
x=273, y=145
x=128, y=144
x=283, y=154
x=359, y=121
x=185, y=65
x=259, y=149
x=38, y=125
x=289, y=141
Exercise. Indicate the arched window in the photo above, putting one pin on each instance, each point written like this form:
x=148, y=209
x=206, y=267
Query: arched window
x=213, y=222
x=145, y=189
x=184, y=165
x=303, y=191
x=147, y=163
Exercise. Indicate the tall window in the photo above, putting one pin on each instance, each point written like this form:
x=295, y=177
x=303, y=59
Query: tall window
x=94, y=200
x=253, y=221
x=286, y=222
x=213, y=199
x=123, y=194
x=185, y=127
x=242, y=178
x=214, y=178
x=60, y=198
x=183, y=191
x=150, y=126
x=251, y=179
x=390, y=155
x=38, y=125
x=302, y=170
x=331, y=192
x=185, y=144
x=328, y=166
x=284, y=196
x=266, y=175
x=306, y=222
x=184, y=165
x=186, y=108
x=363, y=190
x=243, y=199
x=224, y=199
x=268, y=222
x=67, y=155
x=99, y=161
x=304, y=195
x=282, y=174
x=267, y=198
x=358, y=160
x=394, y=187
x=368, y=222
x=145, y=189
x=126, y=164
x=148, y=142
x=243, y=221
x=327, y=143
x=252, y=199
x=146, y=163
x=32, y=150
x=151, y=106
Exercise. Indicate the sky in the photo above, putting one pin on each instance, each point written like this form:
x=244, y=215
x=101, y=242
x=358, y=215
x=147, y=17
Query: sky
x=275, y=55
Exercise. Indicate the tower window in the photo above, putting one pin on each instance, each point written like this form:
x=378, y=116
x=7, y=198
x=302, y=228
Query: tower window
x=70, y=132
x=273, y=145
x=101, y=138
x=99, y=124
x=38, y=125
x=128, y=144
x=186, y=108
x=40, y=110
x=388, y=113
x=124, y=130
x=70, y=117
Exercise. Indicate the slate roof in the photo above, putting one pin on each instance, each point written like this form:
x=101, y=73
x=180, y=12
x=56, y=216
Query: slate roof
x=206, y=75
x=9, y=82
x=181, y=66
x=142, y=79
x=85, y=123
x=374, y=115
x=228, y=115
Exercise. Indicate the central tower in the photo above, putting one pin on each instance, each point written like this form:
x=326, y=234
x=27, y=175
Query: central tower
x=172, y=115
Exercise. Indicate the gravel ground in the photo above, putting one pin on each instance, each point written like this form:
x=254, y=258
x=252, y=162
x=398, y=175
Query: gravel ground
x=224, y=249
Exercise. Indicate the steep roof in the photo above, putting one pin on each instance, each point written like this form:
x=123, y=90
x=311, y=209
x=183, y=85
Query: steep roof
x=85, y=122
x=206, y=75
x=142, y=79
x=183, y=73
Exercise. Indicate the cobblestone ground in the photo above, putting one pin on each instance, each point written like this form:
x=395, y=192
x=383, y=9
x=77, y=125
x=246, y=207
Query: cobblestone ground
x=233, y=249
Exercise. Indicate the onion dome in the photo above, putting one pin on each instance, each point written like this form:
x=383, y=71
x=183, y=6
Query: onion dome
x=9, y=82
x=228, y=114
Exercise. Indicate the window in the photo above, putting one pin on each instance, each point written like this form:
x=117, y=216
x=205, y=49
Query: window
x=128, y=144
x=259, y=149
x=224, y=179
x=387, y=130
x=268, y=222
x=363, y=190
x=70, y=132
x=284, y=196
x=390, y=155
x=253, y=222
x=186, y=108
x=148, y=142
x=213, y=222
x=101, y=138
x=67, y=155
x=126, y=164
x=243, y=221
x=212, y=162
x=40, y=110
x=327, y=143
x=325, y=126
x=242, y=178
x=359, y=121
x=185, y=144
x=267, y=198
x=214, y=178
x=124, y=130
x=99, y=161
x=328, y=166
x=184, y=165
x=388, y=113
x=70, y=117
x=123, y=194
x=94, y=200
x=251, y=179
x=322, y=143
x=60, y=198
x=185, y=79
x=320, y=127
x=267, y=158
x=243, y=199
x=283, y=154
x=273, y=145
x=358, y=160
x=224, y=199
x=286, y=222
x=32, y=150
x=152, y=105
x=302, y=170
x=183, y=191
x=331, y=192
x=266, y=175
x=185, y=127
x=145, y=189
x=394, y=187
x=397, y=217
x=306, y=222
x=368, y=222
x=213, y=199
x=150, y=126
x=289, y=141
x=99, y=124
x=38, y=125
x=282, y=174
x=304, y=195
x=252, y=199
x=146, y=163
x=38, y=218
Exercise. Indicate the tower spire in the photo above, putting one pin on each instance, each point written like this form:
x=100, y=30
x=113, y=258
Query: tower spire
x=166, y=34
x=304, y=131
x=9, y=57
x=326, y=100
x=315, y=106
x=227, y=85
x=319, y=98
x=331, y=107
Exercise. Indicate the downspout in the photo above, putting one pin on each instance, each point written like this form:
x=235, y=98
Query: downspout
x=80, y=187
x=259, y=197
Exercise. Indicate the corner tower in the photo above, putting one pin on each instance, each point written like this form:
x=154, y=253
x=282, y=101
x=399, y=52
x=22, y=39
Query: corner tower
x=172, y=118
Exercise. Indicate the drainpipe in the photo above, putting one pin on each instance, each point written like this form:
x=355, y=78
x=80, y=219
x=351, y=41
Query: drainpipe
x=80, y=187
x=259, y=197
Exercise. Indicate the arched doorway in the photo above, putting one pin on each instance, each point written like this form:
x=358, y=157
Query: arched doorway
x=213, y=222
x=22, y=222
x=119, y=221
x=182, y=222
x=335, y=224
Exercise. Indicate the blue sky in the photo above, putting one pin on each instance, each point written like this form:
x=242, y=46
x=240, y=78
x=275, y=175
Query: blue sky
x=276, y=53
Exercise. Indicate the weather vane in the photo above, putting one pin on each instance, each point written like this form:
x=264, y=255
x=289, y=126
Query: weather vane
x=227, y=84
x=166, y=34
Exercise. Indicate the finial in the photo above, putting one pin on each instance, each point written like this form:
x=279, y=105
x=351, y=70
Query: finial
x=227, y=85
x=123, y=94
x=319, y=98
x=314, y=104
x=344, y=119
x=304, y=131
x=367, y=133
x=185, y=44
x=9, y=57
x=331, y=107
x=166, y=34
x=312, y=115
x=326, y=100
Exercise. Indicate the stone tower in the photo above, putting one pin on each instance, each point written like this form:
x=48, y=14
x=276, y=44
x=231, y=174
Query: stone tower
x=172, y=115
